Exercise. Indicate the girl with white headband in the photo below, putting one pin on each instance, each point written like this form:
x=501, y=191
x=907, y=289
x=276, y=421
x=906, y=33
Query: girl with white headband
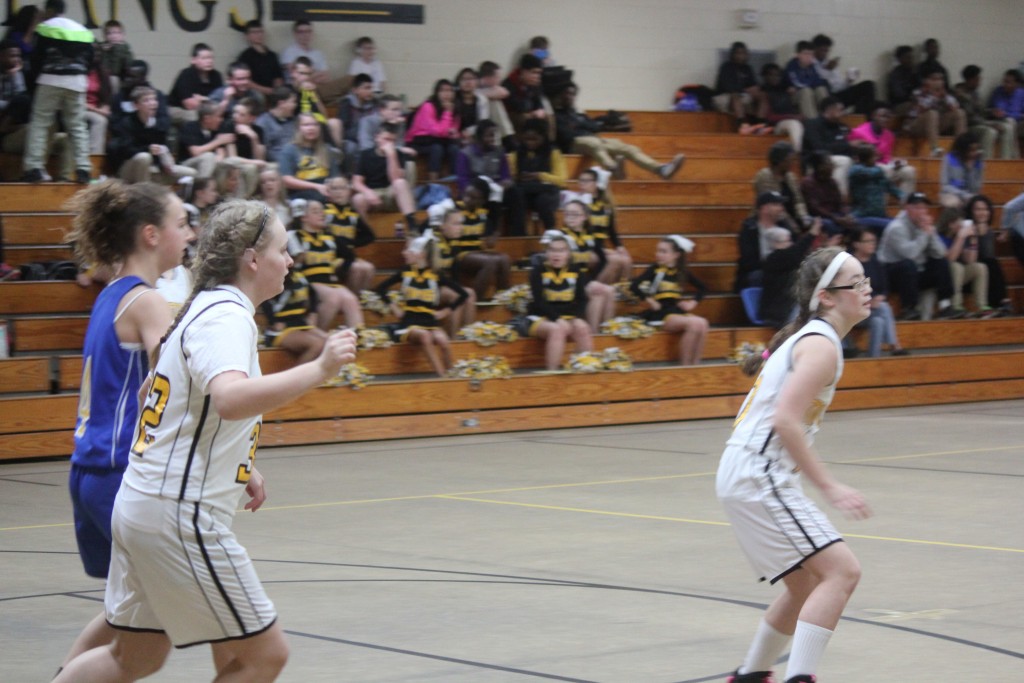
x=662, y=287
x=421, y=309
x=781, y=531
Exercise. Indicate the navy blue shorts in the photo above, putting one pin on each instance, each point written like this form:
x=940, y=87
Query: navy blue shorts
x=92, y=497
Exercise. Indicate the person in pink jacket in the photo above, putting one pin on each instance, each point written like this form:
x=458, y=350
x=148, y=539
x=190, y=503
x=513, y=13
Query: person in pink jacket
x=876, y=131
x=434, y=132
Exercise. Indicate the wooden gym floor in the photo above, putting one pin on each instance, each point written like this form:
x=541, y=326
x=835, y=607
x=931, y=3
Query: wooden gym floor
x=577, y=555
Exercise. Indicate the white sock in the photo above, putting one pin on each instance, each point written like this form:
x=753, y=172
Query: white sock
x=768, y=644
x=944, y=303
x=809, y=643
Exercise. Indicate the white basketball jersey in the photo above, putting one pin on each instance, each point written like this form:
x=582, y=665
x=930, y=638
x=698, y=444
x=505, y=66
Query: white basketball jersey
x=182, y=449
x=753, y=427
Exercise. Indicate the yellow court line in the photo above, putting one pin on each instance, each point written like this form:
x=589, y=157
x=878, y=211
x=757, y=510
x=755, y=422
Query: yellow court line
x=929, y=455
x=592, y=512
x=35, y=526
x=713, y=523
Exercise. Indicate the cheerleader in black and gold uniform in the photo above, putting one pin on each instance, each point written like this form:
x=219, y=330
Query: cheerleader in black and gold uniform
x=588, y=250
x=291, y=319
x=475, y=248
x=421, y=309
x=663, y=287
x=350, y=231
x=602, y=224
x=445, y=261
x=559, y=288
x=315, y=255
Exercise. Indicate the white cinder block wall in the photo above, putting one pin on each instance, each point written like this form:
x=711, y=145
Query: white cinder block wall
x=628, y=54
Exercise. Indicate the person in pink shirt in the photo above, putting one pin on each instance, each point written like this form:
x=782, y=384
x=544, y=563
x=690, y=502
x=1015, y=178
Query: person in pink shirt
x=434, y=132
x=875, y=131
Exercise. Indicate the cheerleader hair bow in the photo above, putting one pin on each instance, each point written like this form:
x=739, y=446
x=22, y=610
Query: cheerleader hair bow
x=551, y=235
x=603, y=176
x=566, y=196
x=683, y=243
x=419, y=245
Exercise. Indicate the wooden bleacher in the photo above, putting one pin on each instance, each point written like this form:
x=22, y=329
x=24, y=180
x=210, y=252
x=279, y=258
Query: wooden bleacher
x=963, y=360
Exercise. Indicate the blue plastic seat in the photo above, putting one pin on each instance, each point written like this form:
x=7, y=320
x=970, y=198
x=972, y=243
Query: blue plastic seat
x=751, y=297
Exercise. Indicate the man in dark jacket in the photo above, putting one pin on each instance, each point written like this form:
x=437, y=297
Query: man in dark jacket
x=754, y=246
x=62, y=57
x=828, y=133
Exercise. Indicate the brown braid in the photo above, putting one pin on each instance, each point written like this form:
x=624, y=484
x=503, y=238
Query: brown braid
x=228, y=234
x=810, y=272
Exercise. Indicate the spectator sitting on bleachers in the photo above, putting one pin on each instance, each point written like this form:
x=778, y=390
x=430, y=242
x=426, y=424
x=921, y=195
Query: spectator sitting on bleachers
x=203, y=143
x=489, y=82
x=434, y=131
x=1007, y=103
x=353, y=107
x=272, y=193
x=588, y=250
x=137, y=149
x=823, y=196
x=115, y=53
x=446, y=223
x=21, y=31
x=301, y=74
x=278, y=122
x=979, y=212
x=526, y=100
x=1013, y=226
x=292, y=319
x=934, y=111
x=60, y=63
x=247, y=152
x=802, y=75
x=121, y=104
x=931, y=63
x=777, y=108
x=302, y=47
x=751, y=240
x=389, y=110
x=881, y=323
x=961, y=240
x=203, y=196
x=915, y=259
x=15, y=107
x=367, y=62
x=902, y=80
x=538, y=170
x=987, y=130
x=778, y=177
x=860, y=95
x=485, y=159
x=827, y=133
x=471, y=106
x=263, y=63
x=380, y=180
x=736, y=88
x=868, y=189
x=540, y=47
x=594, y=183
x=194, y=85
x=228, y=178
x=238, y=88
x=962, y=173
x=307, y=162
x=876, y=132
x=781, y=263
x=577, y=134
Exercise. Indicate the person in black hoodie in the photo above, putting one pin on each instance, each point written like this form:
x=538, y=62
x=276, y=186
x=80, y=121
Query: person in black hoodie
x=828, y=133
x=138, y=143
x=778, y=298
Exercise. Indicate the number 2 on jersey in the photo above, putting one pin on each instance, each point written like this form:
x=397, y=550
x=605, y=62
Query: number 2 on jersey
x=245, y=469
x=152, y=414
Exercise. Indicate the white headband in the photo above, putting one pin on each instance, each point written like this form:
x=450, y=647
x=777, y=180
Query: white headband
x=683, y=243
x=550, y=236
x=419, y=245
x=827, y=277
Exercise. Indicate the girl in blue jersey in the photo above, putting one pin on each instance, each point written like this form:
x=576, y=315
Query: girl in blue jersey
x=143, y=229
x=781, y=531
x=178, y=574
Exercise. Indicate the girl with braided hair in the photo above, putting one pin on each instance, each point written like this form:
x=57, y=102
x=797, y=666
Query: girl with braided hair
x=143, y=230
x=783, y=534
x=177, y=573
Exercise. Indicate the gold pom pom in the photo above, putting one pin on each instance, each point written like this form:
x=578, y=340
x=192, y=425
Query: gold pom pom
x=610, y=360
x=486, y=333
x=626, y=327
x=488, y=367
x=516, y=298
x=371, y=301
x=352, y=375
x=373, y=338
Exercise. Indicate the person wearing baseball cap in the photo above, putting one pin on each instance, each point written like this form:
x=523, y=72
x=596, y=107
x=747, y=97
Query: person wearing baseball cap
x=915, y=258
x=753, y=243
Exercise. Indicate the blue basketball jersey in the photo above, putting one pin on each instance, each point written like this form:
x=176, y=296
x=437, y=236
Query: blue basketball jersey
x=112, y=372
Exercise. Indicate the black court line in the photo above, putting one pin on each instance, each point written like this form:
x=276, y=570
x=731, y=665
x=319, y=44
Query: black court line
x=22, y=481
x=923, y=469
x=439, y=658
